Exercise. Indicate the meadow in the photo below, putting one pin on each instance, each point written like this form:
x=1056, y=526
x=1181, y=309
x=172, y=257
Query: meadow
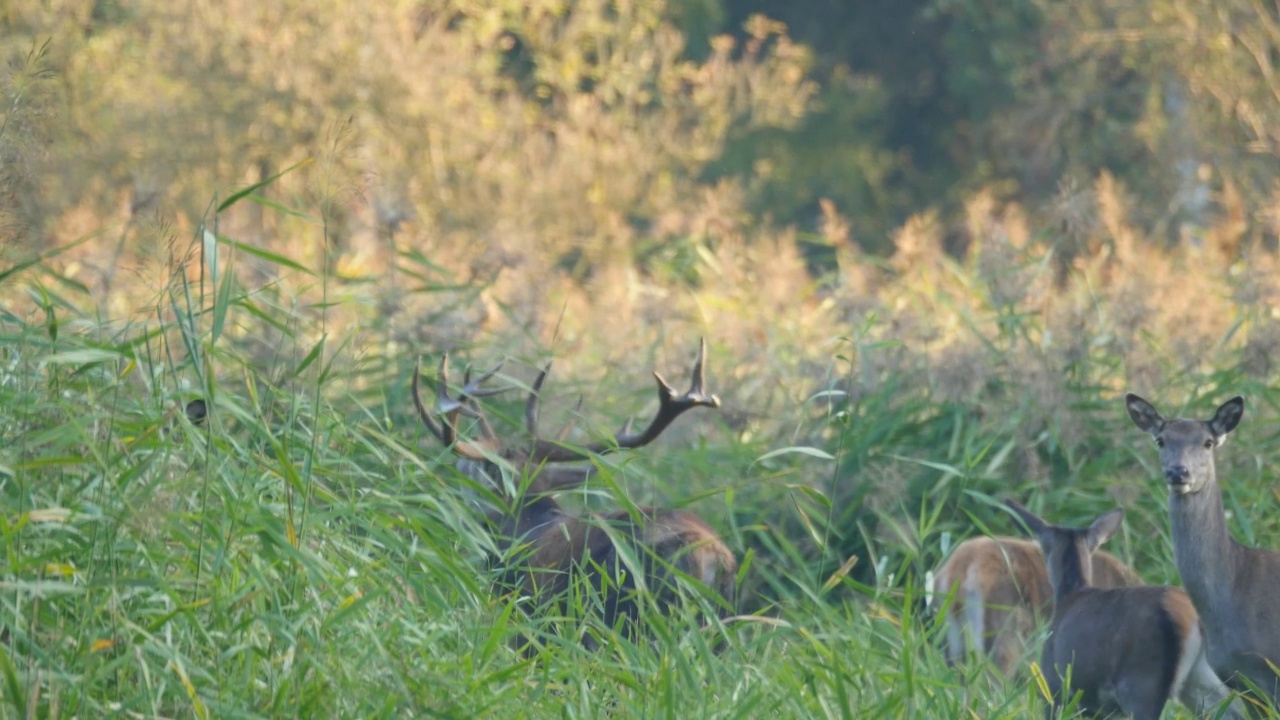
x=926, y=276
x=310, y=551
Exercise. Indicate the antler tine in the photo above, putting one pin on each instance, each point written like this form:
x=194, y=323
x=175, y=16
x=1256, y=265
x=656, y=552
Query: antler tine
x=669, y=408
x=474, y=389
x=447, y=430
x=573, y=419
x=422, y=408
x=446, y=405
x=695, y=394
x=531, y=405
x=470, y=408
x=699, y=370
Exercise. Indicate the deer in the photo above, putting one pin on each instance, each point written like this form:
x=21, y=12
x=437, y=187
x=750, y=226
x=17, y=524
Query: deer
x=1127, y=649
x=549, y=551
x=999, y=593
x=1235, y=588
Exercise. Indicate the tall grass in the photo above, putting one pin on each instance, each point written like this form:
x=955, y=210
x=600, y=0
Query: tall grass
x=308, y=552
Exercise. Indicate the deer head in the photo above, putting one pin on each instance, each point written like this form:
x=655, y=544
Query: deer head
x=1186, y=446
x=481, y=458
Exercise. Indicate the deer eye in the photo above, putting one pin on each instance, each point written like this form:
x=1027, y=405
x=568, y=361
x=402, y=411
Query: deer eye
x=1209, y=444
x=1159, y=442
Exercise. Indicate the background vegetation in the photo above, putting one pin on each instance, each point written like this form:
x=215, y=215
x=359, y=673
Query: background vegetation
x=930, y=245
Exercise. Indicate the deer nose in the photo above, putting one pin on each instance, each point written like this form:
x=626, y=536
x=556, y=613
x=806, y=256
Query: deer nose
x=1177, y=475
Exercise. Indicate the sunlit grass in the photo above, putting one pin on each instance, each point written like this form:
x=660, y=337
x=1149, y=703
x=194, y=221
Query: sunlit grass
x=308, y=552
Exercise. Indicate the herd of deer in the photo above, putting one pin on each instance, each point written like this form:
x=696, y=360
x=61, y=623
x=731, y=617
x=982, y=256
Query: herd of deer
x=1130, y=647
x=1124, y=647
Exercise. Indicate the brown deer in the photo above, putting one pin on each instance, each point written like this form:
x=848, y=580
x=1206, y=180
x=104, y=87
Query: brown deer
x=1125, y=650
x=1002, y=594
x=1235, y=588
x=548, y=551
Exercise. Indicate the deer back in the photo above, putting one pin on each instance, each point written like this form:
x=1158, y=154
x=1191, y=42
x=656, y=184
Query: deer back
x=1007, y=578
x=661, y=541
x=1108, y=634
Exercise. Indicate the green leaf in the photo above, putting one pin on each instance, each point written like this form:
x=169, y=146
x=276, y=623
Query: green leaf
x=265, y=255
x=221, y=303
x=940, y=467
x=244, y=192
x=311, y=356
x=798, y=450
x=52, y=461
x=42, y=588
x=83, y=357
x=13, y=686
x=280, y=208
x=46, y=255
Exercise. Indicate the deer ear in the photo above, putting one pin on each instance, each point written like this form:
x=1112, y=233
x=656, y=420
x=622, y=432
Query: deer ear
x=1143, y=414
x=1028, y=518
x=1227, y=417
x=1104, y=527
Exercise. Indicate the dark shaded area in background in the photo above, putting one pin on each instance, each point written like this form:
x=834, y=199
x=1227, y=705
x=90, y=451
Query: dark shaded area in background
x=906, y=88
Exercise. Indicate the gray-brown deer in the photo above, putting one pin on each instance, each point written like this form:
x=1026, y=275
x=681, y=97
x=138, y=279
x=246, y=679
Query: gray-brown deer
x=1002, y=595
x=1235, y=588
x=1126, y=650
x=547, y=551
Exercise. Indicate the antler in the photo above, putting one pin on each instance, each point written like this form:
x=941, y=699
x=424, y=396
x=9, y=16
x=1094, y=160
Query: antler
x=670, y=407
x=449, y=408
x=471, y=391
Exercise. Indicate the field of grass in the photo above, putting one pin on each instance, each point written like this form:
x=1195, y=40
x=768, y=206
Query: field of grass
x=310, y=552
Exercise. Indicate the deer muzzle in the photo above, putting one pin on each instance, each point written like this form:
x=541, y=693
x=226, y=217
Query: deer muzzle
x=1179, y=479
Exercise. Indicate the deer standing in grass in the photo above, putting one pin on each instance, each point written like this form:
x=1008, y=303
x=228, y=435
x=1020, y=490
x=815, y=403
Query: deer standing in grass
x=1002, y=593
x=548, y=551
x=1235, y=588
x=1126, y=649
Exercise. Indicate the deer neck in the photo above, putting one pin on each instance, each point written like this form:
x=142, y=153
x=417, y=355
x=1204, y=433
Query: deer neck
x=1202, y=547
x=1067, y=577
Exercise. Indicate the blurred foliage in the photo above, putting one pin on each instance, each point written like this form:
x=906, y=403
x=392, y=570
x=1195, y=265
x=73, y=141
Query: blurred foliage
x=924, y=102
x=577, y=132
x=535, y=129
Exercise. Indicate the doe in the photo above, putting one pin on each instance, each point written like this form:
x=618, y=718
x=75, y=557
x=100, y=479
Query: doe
x=1235, y=588
x=1124, y=650
x=1002, y=594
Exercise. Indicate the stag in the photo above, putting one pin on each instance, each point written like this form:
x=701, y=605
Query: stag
x=623, y=558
